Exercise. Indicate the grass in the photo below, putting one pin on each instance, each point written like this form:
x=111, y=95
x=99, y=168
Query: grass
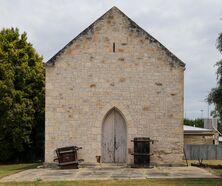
x=149, y=182
x=218, y=172
x=14, y=168
x=6, y=170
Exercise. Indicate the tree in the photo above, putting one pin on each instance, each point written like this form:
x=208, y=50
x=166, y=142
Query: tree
x=215, y=96
x=21, y=97
x=194, y=122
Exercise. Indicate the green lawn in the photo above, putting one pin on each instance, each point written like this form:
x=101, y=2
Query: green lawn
x=149, y=182
x=6, y=170
x=210, y=162
x=217, y=172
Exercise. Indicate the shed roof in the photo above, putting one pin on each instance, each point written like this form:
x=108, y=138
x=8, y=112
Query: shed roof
x=197, y=130
x=133, y=25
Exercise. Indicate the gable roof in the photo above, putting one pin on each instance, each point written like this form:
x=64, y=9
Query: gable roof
x=51, y=61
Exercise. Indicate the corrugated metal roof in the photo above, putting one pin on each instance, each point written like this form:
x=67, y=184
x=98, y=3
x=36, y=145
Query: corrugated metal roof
x=190, y=129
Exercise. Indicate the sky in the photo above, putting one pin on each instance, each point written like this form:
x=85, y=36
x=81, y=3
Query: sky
x=188, y=28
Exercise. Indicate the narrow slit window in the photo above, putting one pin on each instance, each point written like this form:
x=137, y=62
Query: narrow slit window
x=114, y=47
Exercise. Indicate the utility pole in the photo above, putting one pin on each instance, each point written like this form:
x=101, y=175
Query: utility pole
x=201, y=113
x=208, y=111
x=208, y=115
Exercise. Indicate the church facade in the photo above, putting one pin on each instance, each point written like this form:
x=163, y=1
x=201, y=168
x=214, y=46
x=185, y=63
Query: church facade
x=110, y=84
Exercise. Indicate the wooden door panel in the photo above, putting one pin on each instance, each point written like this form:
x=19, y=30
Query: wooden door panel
x=120, y=138
x=114, y=138
x=108, y=139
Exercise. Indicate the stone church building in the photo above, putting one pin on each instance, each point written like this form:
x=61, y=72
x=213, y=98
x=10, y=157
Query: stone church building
x=111, y=83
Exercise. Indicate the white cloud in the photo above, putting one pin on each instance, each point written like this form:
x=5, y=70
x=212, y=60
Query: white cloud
x=188, y=28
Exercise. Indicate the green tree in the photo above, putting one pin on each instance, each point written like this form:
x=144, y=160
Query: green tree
x=21, y=98
x=215, y=95
x=194, y=122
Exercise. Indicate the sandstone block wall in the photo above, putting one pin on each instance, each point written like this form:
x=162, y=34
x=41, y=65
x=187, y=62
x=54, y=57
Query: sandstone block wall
x=139, y=78
x=199, y=139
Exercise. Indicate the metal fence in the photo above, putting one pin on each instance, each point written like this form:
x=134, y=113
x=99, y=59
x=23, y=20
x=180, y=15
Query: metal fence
x=205, y=152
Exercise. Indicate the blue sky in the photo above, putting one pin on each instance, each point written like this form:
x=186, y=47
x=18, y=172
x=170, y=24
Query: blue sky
x=187, y=28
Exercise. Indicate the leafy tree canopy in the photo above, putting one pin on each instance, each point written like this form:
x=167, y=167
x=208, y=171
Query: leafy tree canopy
x=194, y=122
x=21, y=96
x=215, y=95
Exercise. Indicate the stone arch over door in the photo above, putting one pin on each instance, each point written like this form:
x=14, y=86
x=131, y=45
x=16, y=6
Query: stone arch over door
x=114, y=137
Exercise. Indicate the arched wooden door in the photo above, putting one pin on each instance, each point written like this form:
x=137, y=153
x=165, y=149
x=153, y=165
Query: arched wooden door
x=114, y=138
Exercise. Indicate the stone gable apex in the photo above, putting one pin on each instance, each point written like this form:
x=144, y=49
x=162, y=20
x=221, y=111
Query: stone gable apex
x=133, y=26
